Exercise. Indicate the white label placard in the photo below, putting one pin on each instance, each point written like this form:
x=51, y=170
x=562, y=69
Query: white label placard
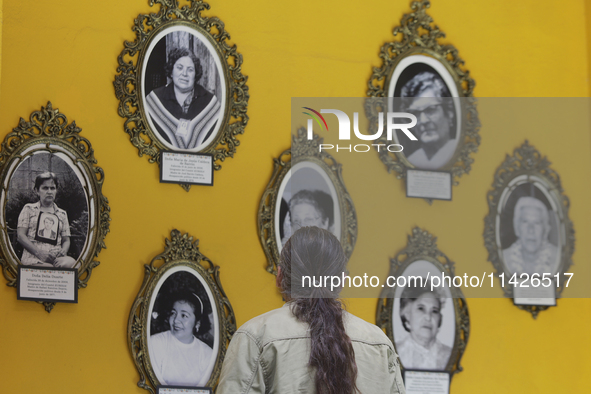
x=428, y=184
x=534, y=295
x=184, y=390
x=417, y=382
x=47, y=284
x=195, y=169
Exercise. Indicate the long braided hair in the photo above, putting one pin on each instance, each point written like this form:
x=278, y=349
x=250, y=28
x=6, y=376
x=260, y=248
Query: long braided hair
x=315, y=252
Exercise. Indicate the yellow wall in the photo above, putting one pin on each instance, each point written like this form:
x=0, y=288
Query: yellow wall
x=66, y=52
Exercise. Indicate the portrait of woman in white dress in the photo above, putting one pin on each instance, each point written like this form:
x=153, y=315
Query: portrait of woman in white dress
x=181, y=341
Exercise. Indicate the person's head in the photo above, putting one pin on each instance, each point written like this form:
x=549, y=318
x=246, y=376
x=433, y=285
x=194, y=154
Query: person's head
x=531, y=223
x=424, y=96
x=46, y=185
x=48, y=222
x=183, y=68
x=312, y=251
x=185, y=316
x=420, y=312
x=311, y=208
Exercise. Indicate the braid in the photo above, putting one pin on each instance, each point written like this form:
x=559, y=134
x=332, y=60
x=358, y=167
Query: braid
x=313, y=251
x=331, y=350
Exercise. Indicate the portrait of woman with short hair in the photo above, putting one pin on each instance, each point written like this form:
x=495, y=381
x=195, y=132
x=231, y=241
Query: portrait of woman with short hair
x=42, y=246
x=183, y=96
x=420, y=314
x=308, y=198
x=181, y=343
x=426, y=89
x=529, y=231
x=424, y=326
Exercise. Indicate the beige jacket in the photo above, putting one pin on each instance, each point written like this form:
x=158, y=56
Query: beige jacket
x=270, y=353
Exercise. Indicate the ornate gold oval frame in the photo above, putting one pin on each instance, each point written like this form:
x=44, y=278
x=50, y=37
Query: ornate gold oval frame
x=419, y=36
x=301, y=150
x=421, y=245
x=527, y=161
x=48, y=131
x=180, y=251
x=128, y=87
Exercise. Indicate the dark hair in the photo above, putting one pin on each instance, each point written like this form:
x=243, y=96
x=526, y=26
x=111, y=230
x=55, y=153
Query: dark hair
x=410, y=294
x=318, y=199
x=45, y=177
x=175, y=54
x=196, y=303
x=313, y=251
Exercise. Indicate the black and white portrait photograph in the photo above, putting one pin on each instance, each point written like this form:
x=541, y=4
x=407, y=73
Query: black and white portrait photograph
x=46, y=211
x=183, y=89
x=307, y=197
x=424, y=88
x=423, y=320
x=183, y=322
x=529, y=230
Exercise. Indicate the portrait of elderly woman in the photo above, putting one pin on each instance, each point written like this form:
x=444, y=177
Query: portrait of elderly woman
x=183, y=98
x=421, y=317
x=531, y=252
x=181, y=336
x=424, y=93
x=308, y=208
x=307, y=197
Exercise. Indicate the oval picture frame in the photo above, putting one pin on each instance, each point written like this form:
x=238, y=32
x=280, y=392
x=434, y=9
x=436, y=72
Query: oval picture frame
x=324, y=190
x=47, y=143
x=148, y=81
x=421, y=257
x=178, y=280
x=418, y=58
x=525, y=180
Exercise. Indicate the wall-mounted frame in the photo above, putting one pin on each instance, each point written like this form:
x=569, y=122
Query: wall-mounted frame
x=180, y=85
x=306, y=185
x=439, y=348
x=527, y=229
x=181, y=321
x=429, y=80
x=50, y=177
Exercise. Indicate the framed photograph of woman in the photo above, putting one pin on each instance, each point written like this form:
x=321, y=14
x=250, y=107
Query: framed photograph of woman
x=528, y=232
x=53, y=213
x=181, y=321
x=425, y=78
x=306, y=189
x=189, y=93
x=429, y=325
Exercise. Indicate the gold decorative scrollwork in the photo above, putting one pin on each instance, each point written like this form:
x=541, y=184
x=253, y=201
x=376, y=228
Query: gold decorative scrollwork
x=128, y=87
x=181, y=250
x=301, y=150
x=419, y=36
x=422, y=246
x=48, y=131
x=528, y=163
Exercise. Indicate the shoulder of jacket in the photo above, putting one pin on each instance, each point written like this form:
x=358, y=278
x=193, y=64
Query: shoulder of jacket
x=278, y=324
x=361, y=331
